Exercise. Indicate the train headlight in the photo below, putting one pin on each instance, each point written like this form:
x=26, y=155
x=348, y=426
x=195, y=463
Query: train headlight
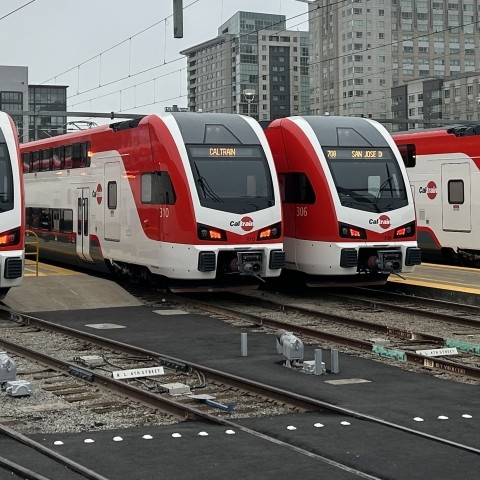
x=11, y=237
x=204, y=232
x=350, y=231
x=273, y=231
x=404, y=231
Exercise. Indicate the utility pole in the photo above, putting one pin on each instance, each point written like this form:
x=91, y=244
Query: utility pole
x=178, y=18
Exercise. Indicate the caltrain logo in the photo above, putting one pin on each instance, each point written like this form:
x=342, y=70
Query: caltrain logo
x=383, y=221
x=246, y=223
x=430, y=190
x=98, y=193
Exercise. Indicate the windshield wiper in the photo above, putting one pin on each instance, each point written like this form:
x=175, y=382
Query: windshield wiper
x=388, y=181
x=206, y=188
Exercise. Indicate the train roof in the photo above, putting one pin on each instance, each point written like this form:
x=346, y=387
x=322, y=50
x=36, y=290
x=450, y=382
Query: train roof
x=457, y=130
x=215, y=128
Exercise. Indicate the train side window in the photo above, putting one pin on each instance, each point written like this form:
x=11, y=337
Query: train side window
x=27, y=162
x=165, y=189
x=77, y=155
x=35, y=218
x=68, y=156
x=456, y=192
x=84, y=158
x=45, y=160
x=58, y=158
x=112, y=195
x=409, y=154
x=157, y=188
x=35, y=161
x=66, y=221
x=45, y=219
x=146, y=188
x=28, y=217
x=297, y=188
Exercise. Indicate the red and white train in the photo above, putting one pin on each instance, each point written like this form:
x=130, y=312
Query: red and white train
x=12, y=208
x=446, y=184
x=348, y=210
x=189, y=199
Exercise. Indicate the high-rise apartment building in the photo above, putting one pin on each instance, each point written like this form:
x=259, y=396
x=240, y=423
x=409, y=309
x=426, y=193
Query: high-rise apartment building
x=254, y=66
x=362, y=49
x=18, y=97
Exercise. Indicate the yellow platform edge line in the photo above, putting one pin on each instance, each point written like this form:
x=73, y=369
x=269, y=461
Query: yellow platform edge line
x=440, y=286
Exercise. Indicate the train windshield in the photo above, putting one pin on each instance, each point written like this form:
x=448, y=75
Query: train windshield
x=367, y=179
x=6, y=180
x=234, y=179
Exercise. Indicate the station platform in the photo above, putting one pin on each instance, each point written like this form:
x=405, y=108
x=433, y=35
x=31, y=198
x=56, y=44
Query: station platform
x=57, y=288
x=430, y=406
x=441, y=282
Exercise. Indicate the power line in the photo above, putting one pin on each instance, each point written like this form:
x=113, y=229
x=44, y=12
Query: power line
x=17, y=9
x=116, y=45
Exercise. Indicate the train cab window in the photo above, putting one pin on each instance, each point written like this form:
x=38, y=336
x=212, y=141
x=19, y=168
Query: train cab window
x=6, y=180
x=456, y=192
x=296, y=188
x=112, y=195
x=66, y=221
x=157, y=188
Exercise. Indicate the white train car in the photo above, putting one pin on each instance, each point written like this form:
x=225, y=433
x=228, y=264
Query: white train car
x=446, y=185
x=12, y=209
x=191, y=200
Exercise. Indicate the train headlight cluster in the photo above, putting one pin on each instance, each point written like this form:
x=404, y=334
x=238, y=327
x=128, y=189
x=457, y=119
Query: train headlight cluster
x=273, y=231
x=407, y=230
x=350, y=231
x=204, y=232
x=11, y=237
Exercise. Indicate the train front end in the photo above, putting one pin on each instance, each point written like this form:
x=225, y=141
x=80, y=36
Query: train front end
x=12, y=216
x=230, y=230
x=349, y=212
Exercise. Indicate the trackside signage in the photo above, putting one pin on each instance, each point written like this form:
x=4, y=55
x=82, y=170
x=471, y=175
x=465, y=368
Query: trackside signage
x=138, y=372
x=438, y=352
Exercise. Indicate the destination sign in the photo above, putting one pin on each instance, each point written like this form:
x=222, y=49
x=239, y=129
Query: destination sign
x=223, y=151
x=356, y=153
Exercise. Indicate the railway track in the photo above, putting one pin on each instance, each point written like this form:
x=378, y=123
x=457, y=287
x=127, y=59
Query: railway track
x=398, y=340
x=229, y=388
x=288, y=401
x=38, y=461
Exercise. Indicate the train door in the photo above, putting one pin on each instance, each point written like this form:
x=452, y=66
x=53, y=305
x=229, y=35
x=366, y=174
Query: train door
x=456, y=201
x=112, y=201
x=83, y=223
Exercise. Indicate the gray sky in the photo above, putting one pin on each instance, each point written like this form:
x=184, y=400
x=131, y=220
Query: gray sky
x=118, y=55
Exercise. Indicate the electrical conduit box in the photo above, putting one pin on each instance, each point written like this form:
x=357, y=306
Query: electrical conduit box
x=8, y=368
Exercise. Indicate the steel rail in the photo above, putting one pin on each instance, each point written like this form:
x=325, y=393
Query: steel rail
x=74, y=466
x=428, y=362
x=289, y=398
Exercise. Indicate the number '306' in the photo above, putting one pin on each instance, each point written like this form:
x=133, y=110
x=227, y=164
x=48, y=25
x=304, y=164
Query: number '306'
x=302, y=211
